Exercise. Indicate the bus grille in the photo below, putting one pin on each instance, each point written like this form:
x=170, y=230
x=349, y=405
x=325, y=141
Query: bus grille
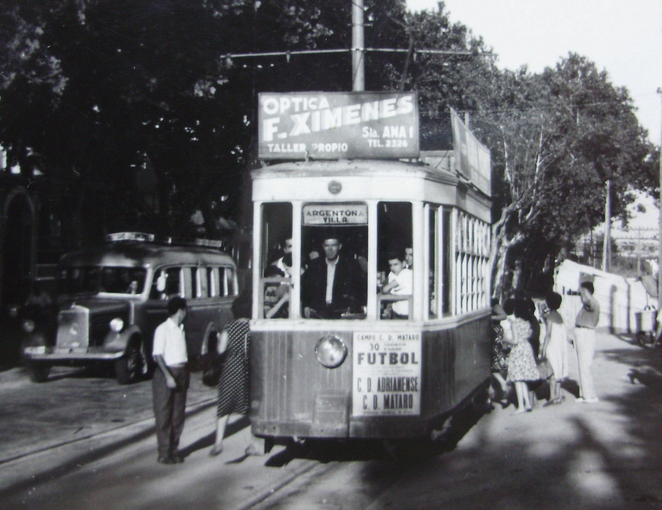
x=73, y=329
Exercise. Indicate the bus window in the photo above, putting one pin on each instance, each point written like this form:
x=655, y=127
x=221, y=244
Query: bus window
x=230, y=282
x=173, y=282
x=212, y=281
x=334, y=242
x=190, y=276
x=394, y=236
x=204, y=282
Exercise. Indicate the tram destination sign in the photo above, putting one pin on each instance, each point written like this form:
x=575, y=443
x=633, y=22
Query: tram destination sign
x=338, y=125
x=387, y=374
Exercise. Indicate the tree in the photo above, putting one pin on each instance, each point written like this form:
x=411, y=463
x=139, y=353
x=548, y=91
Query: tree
x=556, y=139
x=111, y=88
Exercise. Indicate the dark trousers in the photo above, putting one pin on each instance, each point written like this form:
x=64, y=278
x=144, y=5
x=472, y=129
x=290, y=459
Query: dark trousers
x=169, y=409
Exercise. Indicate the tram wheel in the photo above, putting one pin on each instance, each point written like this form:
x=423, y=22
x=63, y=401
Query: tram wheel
x=410, y=451
x=38, y=372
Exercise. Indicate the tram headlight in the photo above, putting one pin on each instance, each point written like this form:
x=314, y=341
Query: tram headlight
x=330, y=351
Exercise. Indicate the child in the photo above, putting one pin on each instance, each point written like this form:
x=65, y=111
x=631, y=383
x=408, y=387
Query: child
x=400, y=282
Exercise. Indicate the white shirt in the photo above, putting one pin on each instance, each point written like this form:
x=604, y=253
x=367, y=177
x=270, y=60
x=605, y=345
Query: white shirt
x=170, y=342
x=405, y=281
x=330, y=275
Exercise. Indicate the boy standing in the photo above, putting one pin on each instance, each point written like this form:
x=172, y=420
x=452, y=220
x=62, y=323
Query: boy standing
x=400, y=282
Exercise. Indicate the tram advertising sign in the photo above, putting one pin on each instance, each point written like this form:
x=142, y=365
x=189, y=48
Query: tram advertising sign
x=338, y=125
x=387, y=374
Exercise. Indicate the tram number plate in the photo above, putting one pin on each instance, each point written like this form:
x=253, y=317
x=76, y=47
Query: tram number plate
x=387, y=374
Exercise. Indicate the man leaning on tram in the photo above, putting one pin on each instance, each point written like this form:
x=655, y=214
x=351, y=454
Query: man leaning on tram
x=333, y=285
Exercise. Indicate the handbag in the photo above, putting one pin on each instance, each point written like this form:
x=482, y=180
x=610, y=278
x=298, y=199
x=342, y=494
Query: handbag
x=211, y=371
x=545, y=370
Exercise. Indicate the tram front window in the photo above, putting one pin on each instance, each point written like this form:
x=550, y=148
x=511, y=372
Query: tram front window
x=277, y=243
x=334, y=249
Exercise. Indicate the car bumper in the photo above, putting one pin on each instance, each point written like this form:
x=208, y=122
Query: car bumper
x=50, y=354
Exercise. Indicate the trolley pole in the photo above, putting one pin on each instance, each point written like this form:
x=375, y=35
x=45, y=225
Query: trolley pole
x=358, y=47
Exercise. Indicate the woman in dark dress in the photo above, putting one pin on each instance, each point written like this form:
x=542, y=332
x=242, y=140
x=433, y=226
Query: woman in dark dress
x=499, y=363
x=233, y=384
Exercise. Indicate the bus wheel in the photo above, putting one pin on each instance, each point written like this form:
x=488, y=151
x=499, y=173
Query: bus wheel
x=38, y=372
x=130, y=367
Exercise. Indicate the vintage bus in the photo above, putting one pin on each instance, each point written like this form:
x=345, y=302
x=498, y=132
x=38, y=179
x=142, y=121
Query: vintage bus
x=357, y=364
x=111, y=298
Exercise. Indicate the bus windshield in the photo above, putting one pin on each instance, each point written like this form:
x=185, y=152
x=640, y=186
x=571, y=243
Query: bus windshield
x=106, y=279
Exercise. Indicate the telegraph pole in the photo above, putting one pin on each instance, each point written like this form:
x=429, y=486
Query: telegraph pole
x=358, y=47
x=606, y=248
x=659, y=234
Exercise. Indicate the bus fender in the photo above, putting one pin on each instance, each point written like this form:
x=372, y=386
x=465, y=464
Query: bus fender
x=117, y=342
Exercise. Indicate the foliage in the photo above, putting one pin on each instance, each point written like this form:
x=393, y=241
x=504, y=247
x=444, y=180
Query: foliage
x=137, y=114
x=557, y=138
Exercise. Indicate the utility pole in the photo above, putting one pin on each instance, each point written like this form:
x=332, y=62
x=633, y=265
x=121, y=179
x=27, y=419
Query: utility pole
x=659, y=234
x=606, y=249
x=358, y=47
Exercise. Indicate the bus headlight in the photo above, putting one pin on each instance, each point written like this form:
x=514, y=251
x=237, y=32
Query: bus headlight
x=116, y=325
x=28, y=326
x=330, y=351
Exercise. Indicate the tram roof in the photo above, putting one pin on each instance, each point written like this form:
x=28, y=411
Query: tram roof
x=433, y=165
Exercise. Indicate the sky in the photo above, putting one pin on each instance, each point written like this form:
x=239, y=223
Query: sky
x=623, y=37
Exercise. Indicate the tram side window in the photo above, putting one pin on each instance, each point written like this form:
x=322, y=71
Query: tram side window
x=446, y=263
x=394, y=264
x=276, y=257
x=432, y=262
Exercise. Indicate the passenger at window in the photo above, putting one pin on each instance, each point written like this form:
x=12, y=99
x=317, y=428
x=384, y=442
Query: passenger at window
x=400, y=283
x=282, y=264
x=276, y=301
x=333, y=284
x=409, y=258
x=281, y=267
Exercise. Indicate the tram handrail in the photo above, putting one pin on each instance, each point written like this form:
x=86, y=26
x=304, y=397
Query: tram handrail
x=273, y=280
x=391, y=298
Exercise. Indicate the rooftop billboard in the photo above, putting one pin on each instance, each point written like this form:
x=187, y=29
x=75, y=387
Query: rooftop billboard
x=338, y=125
x=472, y=159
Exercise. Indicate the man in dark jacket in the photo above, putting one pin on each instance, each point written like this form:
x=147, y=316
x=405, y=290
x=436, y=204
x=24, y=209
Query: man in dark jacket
x=332, y=284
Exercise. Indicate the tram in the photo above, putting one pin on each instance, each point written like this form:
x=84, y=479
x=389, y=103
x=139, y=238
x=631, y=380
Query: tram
x=346, y=359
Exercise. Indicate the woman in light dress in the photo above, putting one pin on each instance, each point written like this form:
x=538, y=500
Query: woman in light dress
x=522, y=366
x=555, y=347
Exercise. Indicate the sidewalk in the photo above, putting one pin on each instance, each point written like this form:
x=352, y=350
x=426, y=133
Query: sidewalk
x=602, y=455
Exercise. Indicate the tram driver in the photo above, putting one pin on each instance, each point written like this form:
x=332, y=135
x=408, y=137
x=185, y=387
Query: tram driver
x=333, y=284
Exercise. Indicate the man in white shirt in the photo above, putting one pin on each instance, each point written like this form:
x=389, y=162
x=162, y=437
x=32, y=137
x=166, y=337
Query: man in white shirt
x=400, y=282
x=171, y=381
